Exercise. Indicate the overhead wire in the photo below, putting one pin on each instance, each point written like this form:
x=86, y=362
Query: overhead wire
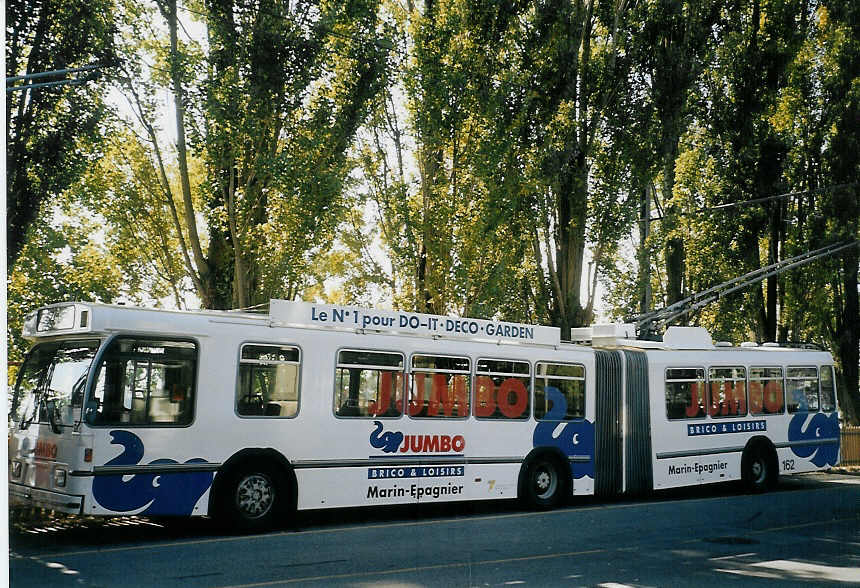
x=752, y=201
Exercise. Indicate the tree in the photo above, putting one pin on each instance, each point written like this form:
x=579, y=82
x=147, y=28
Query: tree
x=286, y=89
x=52, y=133
x=60, y=261
x=672, y=49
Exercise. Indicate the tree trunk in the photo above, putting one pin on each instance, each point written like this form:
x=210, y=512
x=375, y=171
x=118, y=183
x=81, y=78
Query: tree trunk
x=168, y=10
x=643, y=254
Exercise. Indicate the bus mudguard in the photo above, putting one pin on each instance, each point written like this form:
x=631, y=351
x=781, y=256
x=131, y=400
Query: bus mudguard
x=575, y=441
x=160, y=493
x=821, y=426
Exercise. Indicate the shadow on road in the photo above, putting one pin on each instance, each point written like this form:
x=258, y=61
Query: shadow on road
x=42, y=530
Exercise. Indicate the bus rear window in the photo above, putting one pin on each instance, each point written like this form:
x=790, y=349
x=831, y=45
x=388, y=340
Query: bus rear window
x=801, y=389
x=368, y=384
x=766, y=392
x=828, y=389
x=685, y=393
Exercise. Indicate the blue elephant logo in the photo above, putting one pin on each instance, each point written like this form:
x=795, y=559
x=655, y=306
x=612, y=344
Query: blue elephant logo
x=387, y=442
x=166, y=494
x=822, y=427
x=576, y=438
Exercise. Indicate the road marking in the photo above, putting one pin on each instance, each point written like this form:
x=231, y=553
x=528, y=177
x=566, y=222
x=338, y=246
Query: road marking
x=413, y=570
x=802, y=525
x=731, y=556
x=839, y=541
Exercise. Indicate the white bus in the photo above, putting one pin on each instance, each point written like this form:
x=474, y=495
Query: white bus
x=248, y=417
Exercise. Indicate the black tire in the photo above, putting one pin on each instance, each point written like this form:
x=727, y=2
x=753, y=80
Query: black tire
x=759, y=469
x=254, y=497
x=543, y=484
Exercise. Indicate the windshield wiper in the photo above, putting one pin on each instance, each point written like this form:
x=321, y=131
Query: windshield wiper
x=37, y=401
x=54, y=415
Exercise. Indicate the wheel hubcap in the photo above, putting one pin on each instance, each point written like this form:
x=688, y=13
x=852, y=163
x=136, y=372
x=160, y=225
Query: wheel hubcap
x=758, y=470
x=545, y=482
x=255, y=496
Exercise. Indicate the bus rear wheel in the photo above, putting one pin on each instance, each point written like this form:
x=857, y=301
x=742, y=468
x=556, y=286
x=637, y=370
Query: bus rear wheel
x=543, y=485
x=255, y=497
x=759, y=468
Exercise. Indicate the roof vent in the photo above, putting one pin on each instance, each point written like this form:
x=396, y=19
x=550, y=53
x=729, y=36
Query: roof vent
x=749, y=344
x=688, y=338
x=722, y=344
x=770, y=344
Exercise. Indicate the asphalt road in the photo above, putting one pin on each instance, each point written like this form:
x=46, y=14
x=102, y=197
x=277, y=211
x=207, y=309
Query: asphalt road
x=806, y=531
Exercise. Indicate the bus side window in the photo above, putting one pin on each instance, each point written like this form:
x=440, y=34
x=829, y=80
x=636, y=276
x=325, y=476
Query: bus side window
x=766, y=390
x=563, y=382
x=368, y=384
x=828, y=389
x=439, y=386
x=268, y=381
x=728, y=392
x=685, y=393
x=145, y=382
x=502, y=389
x=801, y=389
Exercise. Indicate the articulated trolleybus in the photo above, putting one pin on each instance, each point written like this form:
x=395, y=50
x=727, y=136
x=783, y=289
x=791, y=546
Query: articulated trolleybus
x=121, y=410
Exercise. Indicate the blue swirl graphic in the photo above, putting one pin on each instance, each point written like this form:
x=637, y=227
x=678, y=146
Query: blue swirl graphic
x=820, y=426
x=388, y=442
x=166, y=494
x=576, y=438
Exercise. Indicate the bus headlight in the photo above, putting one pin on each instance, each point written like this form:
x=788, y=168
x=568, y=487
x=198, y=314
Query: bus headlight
x=59, y=478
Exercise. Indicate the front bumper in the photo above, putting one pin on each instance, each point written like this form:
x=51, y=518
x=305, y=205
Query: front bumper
x=21, y=495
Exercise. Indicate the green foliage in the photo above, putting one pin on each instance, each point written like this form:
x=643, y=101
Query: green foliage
x=63, y=260
x=447, y=156
x=288, y=88
x=53, y=134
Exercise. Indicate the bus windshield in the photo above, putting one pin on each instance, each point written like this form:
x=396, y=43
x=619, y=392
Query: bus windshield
x=50, y=387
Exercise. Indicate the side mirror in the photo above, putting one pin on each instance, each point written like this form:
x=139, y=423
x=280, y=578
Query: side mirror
x=91, y=410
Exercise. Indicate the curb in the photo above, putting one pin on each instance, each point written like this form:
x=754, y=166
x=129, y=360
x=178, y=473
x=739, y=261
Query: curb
x=845, y=471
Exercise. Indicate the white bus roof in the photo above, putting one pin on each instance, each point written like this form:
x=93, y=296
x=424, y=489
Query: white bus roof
x=80, y=318
x=83, y=317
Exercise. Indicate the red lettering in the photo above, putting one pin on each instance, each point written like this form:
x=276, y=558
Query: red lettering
x=736, y=399
x=416, y=398
x=697, y=400
x=513, y=398
x=46, y=450
x=458, y=443
x=755, y=397
x=431, y=443
x=415, y=443
x=716, y=401
x=383, y=401
x=773, y=396
x=438, y=394
x=485, y=390
x=405, y=447
x=445, y=444
x=455, y=397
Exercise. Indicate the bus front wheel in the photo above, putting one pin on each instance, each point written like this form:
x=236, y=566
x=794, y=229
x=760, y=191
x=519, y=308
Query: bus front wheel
x=255, y=497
